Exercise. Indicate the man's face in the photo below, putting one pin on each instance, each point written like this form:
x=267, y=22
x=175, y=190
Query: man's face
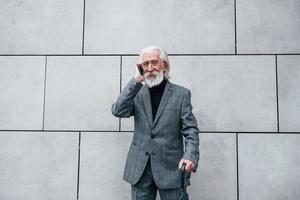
x=152, y=64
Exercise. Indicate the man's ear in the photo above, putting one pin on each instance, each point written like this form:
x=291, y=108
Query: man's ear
x=165, y=66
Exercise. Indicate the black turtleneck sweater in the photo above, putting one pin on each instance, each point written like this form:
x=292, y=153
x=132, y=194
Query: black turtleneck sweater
x=156, y=93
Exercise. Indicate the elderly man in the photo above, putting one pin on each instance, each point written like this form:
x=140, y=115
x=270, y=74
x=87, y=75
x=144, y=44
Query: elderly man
x=163, y=119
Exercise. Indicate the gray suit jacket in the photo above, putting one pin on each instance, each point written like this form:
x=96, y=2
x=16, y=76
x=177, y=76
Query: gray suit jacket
x=161, y=139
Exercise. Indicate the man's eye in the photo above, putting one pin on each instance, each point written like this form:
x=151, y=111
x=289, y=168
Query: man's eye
x=145, y=64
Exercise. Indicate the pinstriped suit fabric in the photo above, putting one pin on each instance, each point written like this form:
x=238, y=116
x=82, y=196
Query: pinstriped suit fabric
x=146, y=189
x=160, y=140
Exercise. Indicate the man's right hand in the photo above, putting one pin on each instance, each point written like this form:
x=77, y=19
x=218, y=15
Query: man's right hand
x=139, y=79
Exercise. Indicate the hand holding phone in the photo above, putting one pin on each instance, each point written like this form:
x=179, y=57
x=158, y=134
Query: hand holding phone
x=139, y=74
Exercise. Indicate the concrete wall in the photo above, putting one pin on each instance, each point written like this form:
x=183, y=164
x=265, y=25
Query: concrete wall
x=63, y=63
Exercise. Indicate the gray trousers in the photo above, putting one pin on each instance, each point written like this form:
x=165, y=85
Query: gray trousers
x=146, y=189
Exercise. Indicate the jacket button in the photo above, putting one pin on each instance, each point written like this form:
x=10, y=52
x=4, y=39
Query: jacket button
x=146, y=153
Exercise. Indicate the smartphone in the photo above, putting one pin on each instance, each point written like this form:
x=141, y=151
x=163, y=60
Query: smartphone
x=139, y=66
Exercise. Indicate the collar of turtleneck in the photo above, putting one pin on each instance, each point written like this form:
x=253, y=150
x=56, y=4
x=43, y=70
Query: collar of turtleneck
x=159, y=88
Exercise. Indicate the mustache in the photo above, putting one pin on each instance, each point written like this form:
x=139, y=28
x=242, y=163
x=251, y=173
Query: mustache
x=152, y=74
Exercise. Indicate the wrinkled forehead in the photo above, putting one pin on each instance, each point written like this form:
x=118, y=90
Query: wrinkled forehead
x=152, y=55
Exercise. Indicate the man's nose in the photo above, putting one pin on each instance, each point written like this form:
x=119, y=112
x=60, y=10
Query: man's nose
x=150, y=67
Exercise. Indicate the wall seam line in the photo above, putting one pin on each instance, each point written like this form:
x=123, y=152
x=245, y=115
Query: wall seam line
x=78, y=165
x=237, y=166
x=83, y=28
x=277, y=103
x=130, y=131
x=170, y=54
x=44, y=103
x=235, y=28
x=121, y=68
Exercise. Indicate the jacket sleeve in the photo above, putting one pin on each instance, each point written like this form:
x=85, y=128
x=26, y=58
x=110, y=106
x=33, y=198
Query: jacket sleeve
x=124, y=106
x=189, y=130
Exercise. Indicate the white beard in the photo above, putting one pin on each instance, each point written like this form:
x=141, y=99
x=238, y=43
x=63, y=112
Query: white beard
x=156, y=81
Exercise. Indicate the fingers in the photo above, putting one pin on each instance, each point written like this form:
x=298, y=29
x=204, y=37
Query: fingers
x=139, y=79
x=189, y=165
x=180, y=163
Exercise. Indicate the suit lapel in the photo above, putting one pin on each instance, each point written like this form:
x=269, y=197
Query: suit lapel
x=163, y=102
x=147, y=104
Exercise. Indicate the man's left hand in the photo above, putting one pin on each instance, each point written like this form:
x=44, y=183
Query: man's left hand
x=190, y=167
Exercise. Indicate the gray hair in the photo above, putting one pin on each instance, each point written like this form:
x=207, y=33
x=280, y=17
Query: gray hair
x=162, y=54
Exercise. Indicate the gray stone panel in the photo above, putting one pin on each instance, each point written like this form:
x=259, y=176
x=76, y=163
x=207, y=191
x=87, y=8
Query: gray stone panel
x=269, y=166
x=289, y=92
x=268, y=26
x=80, y=92
x=229, y=93
x=48, y=26
x=22, y=92
x=102, y=163
x=38, y=165
x=183, y=27
x=215, y=178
